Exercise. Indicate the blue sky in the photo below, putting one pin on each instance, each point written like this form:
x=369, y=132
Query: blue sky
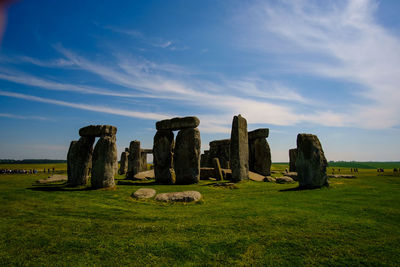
x=330, y=68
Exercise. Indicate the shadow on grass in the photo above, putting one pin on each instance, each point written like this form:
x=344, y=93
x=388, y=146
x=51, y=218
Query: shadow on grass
x=58, y=187
x=137, y=182
x=298, y=188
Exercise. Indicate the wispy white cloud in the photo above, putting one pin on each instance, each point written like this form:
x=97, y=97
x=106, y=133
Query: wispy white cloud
x=340, y=40
x=22, y=117
x=96, y=108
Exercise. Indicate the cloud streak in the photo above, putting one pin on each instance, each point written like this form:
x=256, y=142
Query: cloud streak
x=340, y=40
x=98, y=108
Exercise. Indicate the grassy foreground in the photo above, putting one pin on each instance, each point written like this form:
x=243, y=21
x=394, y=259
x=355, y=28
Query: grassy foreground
x=354, y=222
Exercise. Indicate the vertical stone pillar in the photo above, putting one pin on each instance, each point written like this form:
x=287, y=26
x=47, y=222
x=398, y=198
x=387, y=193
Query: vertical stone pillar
x=163, y=147
x=292, y=159
x=239, y=149
x=123, y=168
x=259, y=152
x=143, y=161
x=105, y=162
x=187, y=156
x=311, y=162
x=134, y=160
x=79, y=161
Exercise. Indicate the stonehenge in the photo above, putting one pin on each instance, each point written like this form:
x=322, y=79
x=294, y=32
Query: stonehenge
x=311, y=162
x=239, y=149
x=102, y=160
x=177, y=162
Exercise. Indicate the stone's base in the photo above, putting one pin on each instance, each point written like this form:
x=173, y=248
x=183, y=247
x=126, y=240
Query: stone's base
x=185, y=196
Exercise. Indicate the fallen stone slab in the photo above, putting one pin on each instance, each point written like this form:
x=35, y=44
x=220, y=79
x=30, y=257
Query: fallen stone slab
x=259, y=133
x=53, y=179
x=292, y=175
x=256, y=177
x=284, y=180
x=185, y=196
x=348, y=176
x=269, y=179
x=145, y=175
x=144, y=193
x=98, y=130
x=178, y=123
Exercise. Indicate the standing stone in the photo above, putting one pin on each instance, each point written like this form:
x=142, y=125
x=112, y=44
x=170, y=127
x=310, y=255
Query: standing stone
x=163, y=147
x=292, y=159
x=79, y=160
x=105, y=163
x=187, y=156
x=123, y=168
x=205, y=158
x=134, y=161
x=311, y=162
x=217, y=170
x=143, y=161
x=239, y=149
x=259, y=152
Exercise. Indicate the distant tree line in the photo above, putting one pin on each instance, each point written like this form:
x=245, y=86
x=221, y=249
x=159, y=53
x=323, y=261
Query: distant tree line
x=31, y=161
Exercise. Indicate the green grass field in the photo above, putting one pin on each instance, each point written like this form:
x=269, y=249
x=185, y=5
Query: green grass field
x=354, y=222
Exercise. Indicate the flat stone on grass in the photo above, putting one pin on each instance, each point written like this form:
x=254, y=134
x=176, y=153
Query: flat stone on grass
x=185, y=196
x=284, y=180
x=144, y=193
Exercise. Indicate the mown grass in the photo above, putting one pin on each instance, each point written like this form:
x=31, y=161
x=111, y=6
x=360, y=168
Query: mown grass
x=354, y=222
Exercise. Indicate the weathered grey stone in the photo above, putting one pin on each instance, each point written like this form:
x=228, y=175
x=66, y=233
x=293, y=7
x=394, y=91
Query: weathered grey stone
x=217, y=170
x=259, y=156
x=187, y=156
x=256, y=177
x=178, y=123
x=348, y=176
x=105, y=163
x=311, y=162
x=98, y=130
x=163, y=147
x=134, y=159
x=79, y=161
x=284, y=180
x=206, y=173
x=292, y=175
x=259, y=133
x=292, y=159
x=239, y=149
x=53, y=179
x=143, y=161
x=143, y=193
x=205, y=158
x=269, y=179
x=145, y=175
x=185, y=196
x=123, y=166
x=220, y=149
